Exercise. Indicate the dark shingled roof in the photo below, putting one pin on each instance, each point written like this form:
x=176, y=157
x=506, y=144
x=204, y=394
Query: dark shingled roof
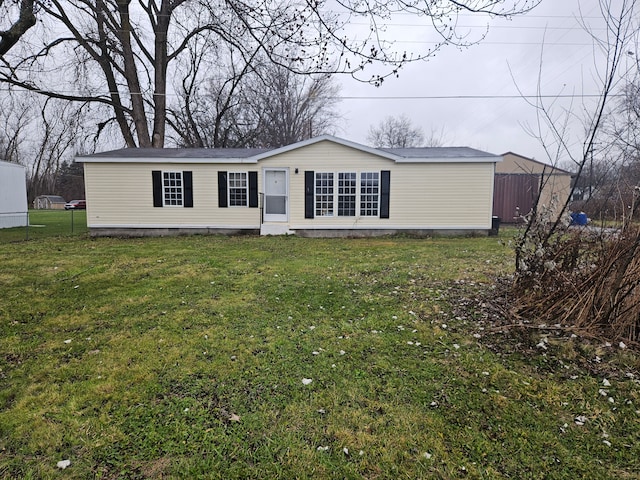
x=419, y=152
x=253, y=155
x=182, y=152
x=437, y=152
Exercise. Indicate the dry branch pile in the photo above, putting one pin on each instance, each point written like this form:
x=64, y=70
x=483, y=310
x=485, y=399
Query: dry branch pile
x=586, y=281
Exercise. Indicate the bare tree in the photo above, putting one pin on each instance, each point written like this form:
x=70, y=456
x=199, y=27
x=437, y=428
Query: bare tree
x=59, y=124
x=620, y=141
x=229, y=100
x=620, y=30
x=119, y=54
x=259, y=105
x=16, y=114
x=435, y=138
x=19, y=16
x=213, y=109
x=395, y=132
x=289, y=107
x=39, y=134
x=586, y=283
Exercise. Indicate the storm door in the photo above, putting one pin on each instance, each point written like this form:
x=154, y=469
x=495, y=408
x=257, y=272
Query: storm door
x=276, y=195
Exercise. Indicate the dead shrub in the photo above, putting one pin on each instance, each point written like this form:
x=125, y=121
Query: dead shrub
x=584, y=280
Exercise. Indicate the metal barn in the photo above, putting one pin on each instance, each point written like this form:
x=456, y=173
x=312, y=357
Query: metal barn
x=519, y=182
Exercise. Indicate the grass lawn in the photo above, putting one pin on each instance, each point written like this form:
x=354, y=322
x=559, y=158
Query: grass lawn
x=284, y=357
x=47, y=223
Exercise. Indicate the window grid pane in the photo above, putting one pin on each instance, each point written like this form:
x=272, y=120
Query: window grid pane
x=172, y=186
x=369, y=194
x=347, y=190
x=324, y=194
x=238, y=191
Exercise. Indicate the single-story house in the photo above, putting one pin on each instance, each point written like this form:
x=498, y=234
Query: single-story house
x=324, y=186
x=520, y=181
x=13, y=195
x=49, y=202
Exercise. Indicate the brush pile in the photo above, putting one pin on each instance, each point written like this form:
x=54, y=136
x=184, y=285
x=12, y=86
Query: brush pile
x=586, y=280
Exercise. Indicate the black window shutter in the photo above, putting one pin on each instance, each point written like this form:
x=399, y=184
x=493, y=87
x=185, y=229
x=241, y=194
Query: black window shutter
x=156, y=176
x=253, y=189
x=309, y=180
x=385, y=184
x=187, y=179
x=222, y=189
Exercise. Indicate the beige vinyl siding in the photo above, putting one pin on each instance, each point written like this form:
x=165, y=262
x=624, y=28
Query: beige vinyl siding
x=555, y=192
x=514, y=163
x=422, y=195
x=122, y=195
x=324, y=157
x=557, y=182
x=442, y=195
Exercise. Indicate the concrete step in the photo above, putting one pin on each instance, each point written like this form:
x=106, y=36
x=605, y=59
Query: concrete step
x=275, y=229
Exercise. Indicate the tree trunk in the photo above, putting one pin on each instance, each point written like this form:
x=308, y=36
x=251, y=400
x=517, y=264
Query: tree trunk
x=26, y=20
x=131, y=73
x=104, y=61
x=160, y=74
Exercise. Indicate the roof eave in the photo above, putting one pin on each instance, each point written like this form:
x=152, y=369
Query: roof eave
x=166, y=160
x=487, y=159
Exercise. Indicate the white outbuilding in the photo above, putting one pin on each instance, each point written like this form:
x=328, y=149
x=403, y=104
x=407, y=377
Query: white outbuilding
x=13, y=196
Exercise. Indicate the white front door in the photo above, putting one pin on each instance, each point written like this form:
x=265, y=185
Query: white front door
x=276, y=195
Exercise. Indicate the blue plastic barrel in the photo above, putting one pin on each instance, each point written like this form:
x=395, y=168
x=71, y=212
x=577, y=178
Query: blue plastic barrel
x=579, y=218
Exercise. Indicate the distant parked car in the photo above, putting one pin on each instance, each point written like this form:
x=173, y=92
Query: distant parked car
x=75, y=205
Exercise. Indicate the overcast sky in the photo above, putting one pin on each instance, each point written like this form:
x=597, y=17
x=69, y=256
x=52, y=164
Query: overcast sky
x=507, y=60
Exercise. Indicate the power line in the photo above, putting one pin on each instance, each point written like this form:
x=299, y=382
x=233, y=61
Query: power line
x=487, y=42
x=482, y=27
x=487, y=15
x=471, y=97
x=369, y=97
x=383, y=97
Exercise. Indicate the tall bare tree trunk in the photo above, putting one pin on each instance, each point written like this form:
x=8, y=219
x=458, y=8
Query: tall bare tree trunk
x=160, y=71
x=131, y=74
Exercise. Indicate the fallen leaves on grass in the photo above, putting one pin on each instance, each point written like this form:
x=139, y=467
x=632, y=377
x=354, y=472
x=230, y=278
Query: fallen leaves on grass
x=229, y=416
x=580, y=420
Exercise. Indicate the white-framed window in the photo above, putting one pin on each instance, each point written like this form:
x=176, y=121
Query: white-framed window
x=238, y=189
x=344, y=197
x=347, y=194
x=172, y=188
x=324, y=194
x=369, y=194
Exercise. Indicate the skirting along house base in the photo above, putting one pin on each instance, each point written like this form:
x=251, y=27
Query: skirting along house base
x=321, y=187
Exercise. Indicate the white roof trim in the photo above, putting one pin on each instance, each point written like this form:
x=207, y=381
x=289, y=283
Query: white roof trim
x=330, y=138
